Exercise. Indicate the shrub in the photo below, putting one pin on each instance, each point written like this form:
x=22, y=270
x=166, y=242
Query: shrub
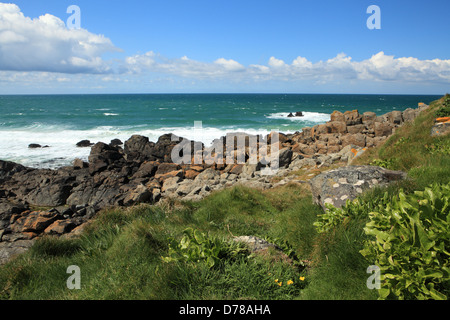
x=387, y=164
x=444, y=111
x=408, y=237
x=441, y=147
x=352, y=209
x=411, y=243
x=196, y=246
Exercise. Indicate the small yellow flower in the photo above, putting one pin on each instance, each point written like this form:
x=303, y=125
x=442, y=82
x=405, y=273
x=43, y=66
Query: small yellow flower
x=302, y=278
x=290, y=282
x=276, y=280
x=280, y=283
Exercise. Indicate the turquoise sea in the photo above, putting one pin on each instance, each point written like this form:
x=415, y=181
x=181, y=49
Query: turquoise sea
x=60, y=121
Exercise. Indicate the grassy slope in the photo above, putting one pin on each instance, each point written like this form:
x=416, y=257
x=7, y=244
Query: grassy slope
x=120, y=253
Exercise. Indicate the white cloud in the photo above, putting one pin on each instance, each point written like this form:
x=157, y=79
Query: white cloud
x=276, y=63
x=230, y=65
x=301, y=62
x=379, y=67
x=45, y=44
x=153, y=62
x=385, y=67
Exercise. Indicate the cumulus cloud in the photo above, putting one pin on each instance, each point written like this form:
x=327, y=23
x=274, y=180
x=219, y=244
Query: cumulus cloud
x=276, y=63
x=230, y=64
x=382, y=67
x=153, y=62
x=46, y=44
x=379, y=67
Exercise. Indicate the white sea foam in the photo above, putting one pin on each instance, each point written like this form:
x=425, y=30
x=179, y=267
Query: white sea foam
x=110, y=114
x=307, y=116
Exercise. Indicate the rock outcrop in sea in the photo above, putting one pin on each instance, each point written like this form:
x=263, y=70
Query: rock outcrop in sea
x=39, y=202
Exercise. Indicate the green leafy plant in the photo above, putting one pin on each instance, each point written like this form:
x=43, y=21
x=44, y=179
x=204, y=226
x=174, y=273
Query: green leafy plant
x=196, y=246
x=444, y=111
x=410, y=242
x=388, y=163
x=439, y=147
x=402, y=140
x=288, y=250
x=352, y=209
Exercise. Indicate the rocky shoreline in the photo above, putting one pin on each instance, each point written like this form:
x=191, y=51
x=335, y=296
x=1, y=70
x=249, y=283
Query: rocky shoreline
x=39, y=202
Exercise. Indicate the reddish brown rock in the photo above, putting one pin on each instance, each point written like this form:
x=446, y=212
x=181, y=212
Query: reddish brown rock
x=321, y=147
x=357, y=128
x=334, y=140
x=171, y=174
x=334, y=148
x=337, y=116
x=354, y=139
x=319, y=130
x=382, y=129
x=165, y=168
x=337, y=127
x=197, y=168
x=191, y=174
x=37, y=221
x=237, y=169
x=352, y=117
x=281, y=137
x=306, y=149
x=368, y=117
x=60, y=227
x=395, y=117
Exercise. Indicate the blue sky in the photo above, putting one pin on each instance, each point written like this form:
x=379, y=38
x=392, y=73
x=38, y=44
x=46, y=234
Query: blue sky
x=300, y=46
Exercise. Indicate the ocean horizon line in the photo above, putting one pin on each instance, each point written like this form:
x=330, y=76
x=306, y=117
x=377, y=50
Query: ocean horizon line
x=218, y=93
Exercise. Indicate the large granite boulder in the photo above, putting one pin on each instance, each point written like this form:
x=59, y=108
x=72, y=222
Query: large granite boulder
x=139, y=148
x=102, y=155
x=440, y=129
x=8, y=169
x=337, y=186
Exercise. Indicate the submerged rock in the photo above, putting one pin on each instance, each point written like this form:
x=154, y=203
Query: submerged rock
x=297, y=114
x=84, y=144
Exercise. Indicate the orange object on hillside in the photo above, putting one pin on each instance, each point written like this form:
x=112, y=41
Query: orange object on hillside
x=443, y=119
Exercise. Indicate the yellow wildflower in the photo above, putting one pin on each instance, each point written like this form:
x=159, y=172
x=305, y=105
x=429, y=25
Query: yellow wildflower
x=276, y=280
x=280, y=283
x=290, y=282
x=302, y=278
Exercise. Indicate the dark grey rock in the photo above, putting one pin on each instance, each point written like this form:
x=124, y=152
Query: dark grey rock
x=337, y=186
x=84, y=144
x=8, y=169
x=440, y=129
x=102, y=155
x=8, y=250
x=139, y=148
x=116, y=143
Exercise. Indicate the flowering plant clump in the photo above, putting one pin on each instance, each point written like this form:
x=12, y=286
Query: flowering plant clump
x=287, y=285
